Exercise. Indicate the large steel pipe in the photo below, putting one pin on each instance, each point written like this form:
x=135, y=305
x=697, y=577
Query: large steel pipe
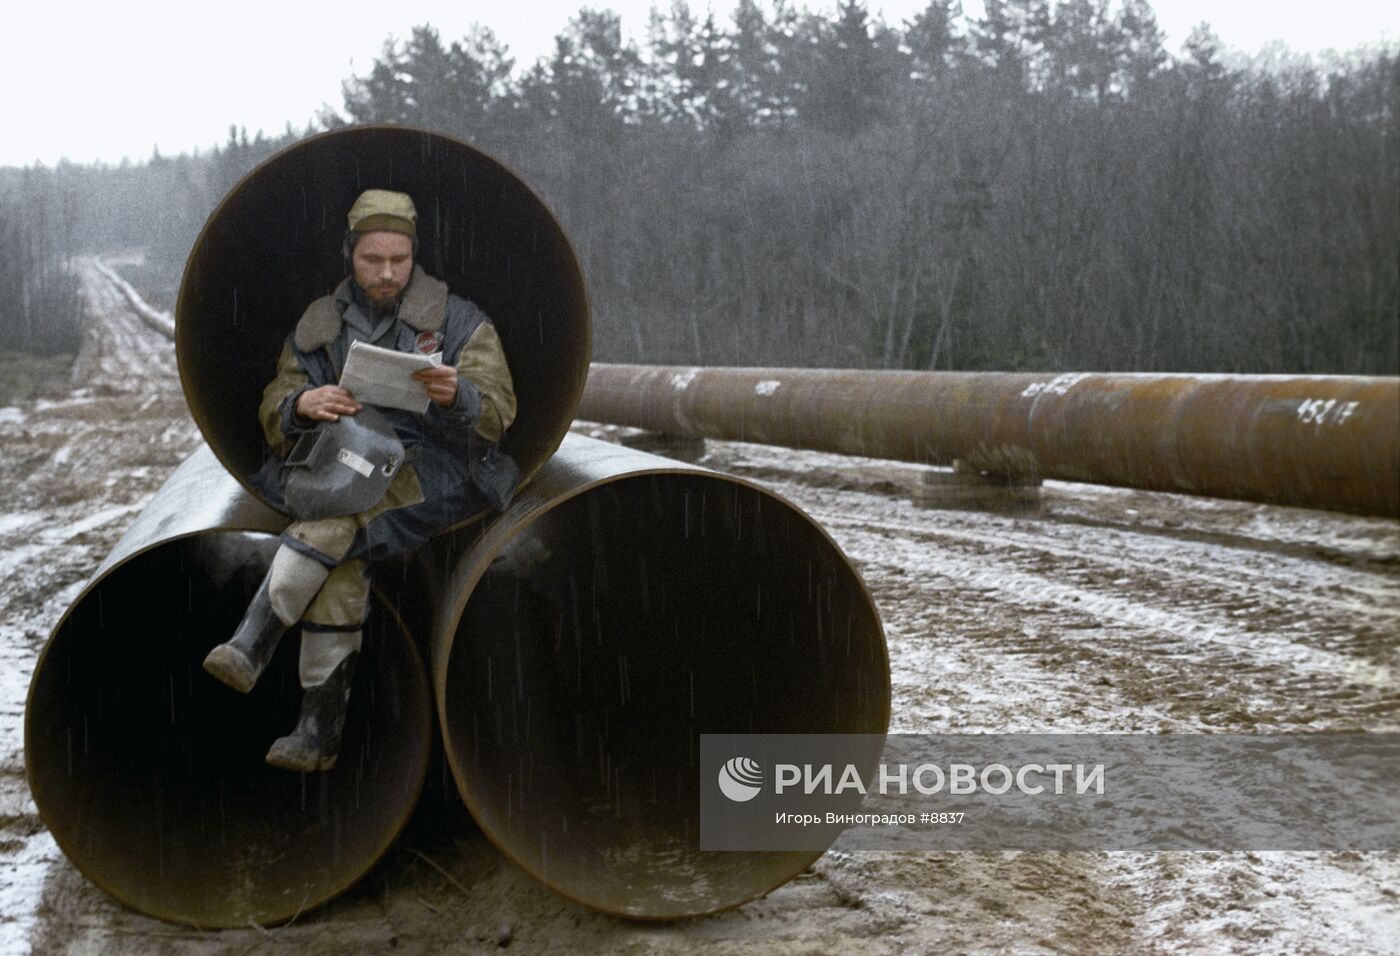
x=623, y=606
x=150, y=774
x=1314, y=441
x=274, y=244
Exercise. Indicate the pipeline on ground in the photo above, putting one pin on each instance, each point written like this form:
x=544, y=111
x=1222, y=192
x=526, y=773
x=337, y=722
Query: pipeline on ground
x=581, y=641
x=150, y=774
x=621, y=607
x=1329, y=442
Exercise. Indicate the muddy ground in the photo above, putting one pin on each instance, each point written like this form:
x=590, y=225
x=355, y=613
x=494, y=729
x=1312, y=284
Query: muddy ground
x=1106, y=610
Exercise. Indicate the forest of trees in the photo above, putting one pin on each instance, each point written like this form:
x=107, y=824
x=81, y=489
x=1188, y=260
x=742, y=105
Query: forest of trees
x=42, y=311
x=1042, y=188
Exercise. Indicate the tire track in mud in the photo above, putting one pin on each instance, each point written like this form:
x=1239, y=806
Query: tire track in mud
x=1093, y=621
x=1247, y=572
x=1205, y=626
x=1129, y=594
x=76, y=470
x=119, y=351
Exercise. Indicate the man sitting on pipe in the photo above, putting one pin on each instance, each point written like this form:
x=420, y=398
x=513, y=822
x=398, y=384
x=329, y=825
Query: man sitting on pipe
x=320, y=574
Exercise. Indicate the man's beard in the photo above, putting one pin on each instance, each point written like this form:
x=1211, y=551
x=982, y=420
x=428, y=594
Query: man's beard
x=381, y=304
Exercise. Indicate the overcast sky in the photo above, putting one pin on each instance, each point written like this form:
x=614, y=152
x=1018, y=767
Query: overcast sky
x=99, y=81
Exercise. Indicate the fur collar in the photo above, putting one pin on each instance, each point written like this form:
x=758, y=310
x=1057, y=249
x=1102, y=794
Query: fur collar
x=423, y=309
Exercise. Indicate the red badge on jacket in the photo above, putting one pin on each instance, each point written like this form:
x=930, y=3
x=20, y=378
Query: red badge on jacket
x=428, y=342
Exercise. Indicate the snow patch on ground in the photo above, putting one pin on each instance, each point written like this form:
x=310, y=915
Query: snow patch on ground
x=12, y=523
x=83, y=526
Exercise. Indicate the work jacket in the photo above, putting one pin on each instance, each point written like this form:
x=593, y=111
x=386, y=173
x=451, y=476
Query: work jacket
x=442, y=443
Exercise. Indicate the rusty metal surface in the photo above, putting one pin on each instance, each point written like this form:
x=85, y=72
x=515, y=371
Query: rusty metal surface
x=1313, y=441
x=273, y=245
x=623, y=605
x=150, y=774
x=199, y=496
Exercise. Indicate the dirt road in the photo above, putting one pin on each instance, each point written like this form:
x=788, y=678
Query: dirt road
x=1107, y=610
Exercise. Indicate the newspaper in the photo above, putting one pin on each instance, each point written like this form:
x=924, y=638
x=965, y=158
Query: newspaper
x=381, y=377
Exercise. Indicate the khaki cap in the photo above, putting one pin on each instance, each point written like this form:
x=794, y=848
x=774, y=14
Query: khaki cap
x=382, y=210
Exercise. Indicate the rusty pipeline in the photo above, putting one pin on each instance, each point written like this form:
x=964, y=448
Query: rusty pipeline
x=1311, y=441
x=150, y=775
x=621, y=607
x=273, y=245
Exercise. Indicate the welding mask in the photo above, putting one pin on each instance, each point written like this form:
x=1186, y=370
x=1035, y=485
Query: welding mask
x=342, y=467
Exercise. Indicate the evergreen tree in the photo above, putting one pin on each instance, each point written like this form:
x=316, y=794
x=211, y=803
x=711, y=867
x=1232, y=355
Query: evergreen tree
x=933, y=41
x=1143, y=53
x=1084, y=46
x=854, y=69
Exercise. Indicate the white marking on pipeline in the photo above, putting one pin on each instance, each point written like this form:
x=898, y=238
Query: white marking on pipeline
x=767, y=387
x=1059, y=385
x=347, y=457
x=1317, y=411
x=681, y=380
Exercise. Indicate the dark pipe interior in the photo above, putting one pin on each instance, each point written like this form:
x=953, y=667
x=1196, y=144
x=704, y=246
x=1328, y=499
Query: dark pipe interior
x=274, y=244
x=608, y=636
x=150, y=774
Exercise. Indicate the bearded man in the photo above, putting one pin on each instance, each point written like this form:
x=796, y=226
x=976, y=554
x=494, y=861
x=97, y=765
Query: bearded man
x=454, y=468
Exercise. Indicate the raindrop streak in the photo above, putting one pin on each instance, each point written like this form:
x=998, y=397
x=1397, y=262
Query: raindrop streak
x=519, y=667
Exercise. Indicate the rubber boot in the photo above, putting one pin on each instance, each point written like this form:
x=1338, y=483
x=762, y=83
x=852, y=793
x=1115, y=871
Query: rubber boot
x=315, y=742
x=290, y=584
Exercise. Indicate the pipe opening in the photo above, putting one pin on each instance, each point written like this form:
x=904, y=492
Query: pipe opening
x=150, y=773
x=273, y=246
x=606, y=637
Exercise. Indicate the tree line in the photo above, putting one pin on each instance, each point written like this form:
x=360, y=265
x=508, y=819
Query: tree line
x=1040, y=188
x=42, y=310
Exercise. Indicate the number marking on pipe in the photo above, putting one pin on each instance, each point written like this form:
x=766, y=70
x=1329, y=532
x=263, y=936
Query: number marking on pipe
x=1059, y=385
x=1319, y=412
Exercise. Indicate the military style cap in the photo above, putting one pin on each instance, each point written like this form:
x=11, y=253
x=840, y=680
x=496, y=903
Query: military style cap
x=382, y=210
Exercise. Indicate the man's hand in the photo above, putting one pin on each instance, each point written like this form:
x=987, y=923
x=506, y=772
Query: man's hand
x=440, y=382
x=326, y=404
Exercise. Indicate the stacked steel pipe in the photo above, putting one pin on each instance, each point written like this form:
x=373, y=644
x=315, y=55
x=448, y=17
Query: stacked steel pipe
x=580, y=641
